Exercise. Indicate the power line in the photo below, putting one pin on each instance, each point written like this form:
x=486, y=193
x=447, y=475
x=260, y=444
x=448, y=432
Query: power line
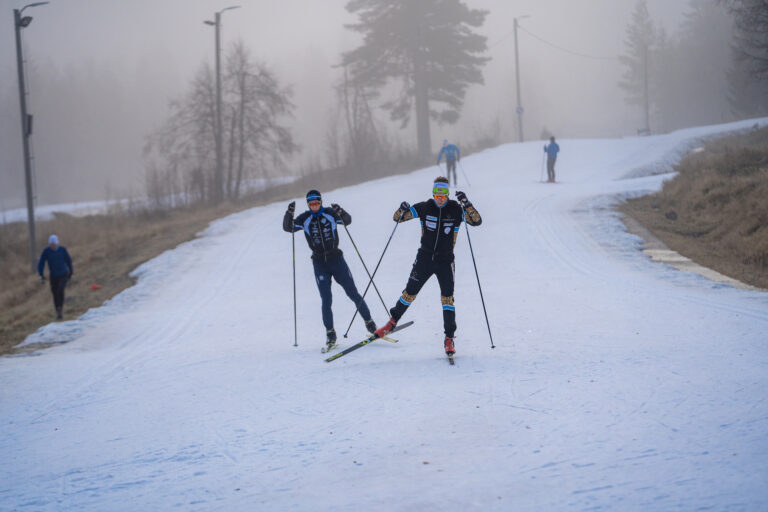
x=566, y=50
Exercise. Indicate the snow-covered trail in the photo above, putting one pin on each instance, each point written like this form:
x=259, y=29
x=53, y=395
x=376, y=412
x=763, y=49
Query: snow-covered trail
x=616, y=383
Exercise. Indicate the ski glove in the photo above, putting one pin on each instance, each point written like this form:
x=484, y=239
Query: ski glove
x=291, y=207
x=337, y=209
x=462, y=197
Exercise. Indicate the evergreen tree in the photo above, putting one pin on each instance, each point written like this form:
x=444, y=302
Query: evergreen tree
x=689, y=81
x=747, y=97
x=748, y=77
x=428, y=47
x=641, y=36
x=751, y=40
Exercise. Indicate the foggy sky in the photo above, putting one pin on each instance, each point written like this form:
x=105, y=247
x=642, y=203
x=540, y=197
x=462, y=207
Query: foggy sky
x=150, y=50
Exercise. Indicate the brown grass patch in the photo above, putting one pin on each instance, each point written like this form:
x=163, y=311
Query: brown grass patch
x=104, y=249
x=715, y=211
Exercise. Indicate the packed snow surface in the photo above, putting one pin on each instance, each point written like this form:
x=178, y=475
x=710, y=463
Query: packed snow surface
x=616, y=383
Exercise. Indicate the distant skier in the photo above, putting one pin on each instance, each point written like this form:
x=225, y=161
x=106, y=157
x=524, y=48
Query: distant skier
x=320, y=228
x=440, y=221
x=59, y=271
x=551, y=150
x=452, y=155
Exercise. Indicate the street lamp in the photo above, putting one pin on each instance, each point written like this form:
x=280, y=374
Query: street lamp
x=20, y=22
x=219, y=178
x=519, y=108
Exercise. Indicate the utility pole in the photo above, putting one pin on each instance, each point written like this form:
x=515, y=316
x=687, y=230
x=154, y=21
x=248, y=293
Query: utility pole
x=645, y=91
x=519, y=109
x=421, y=96
x=20, y=22
x=219, y=176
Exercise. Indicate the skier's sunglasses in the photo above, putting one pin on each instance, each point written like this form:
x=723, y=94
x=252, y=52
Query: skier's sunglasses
x=313, y=203
x=440, y=196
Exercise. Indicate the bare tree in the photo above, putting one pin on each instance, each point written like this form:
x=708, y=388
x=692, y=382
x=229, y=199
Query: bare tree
x=258, y=103
x=362, y=137
x=254, y=105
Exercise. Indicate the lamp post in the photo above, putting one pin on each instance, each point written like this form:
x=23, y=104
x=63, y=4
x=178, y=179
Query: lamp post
x=219, y=177
x=20, y=22
x=519, y=109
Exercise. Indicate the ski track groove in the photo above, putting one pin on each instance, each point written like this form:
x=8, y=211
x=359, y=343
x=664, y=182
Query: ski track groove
x=150, y=337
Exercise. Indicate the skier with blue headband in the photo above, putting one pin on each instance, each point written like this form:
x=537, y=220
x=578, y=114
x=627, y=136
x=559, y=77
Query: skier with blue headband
x=319, y=224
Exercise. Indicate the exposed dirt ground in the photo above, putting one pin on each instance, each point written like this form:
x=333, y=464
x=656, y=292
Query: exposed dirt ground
x=715, y=211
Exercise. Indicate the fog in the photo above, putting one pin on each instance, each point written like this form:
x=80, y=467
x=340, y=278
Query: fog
x=101, y=75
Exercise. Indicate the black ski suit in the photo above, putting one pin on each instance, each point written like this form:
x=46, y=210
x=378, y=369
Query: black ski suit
x=439, y=229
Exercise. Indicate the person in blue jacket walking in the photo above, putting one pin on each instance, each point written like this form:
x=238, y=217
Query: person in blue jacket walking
x=59, y=271
x=551, y=150
x=452, y=155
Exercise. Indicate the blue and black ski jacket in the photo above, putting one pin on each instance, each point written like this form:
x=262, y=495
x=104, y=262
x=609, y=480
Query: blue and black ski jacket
x=320, y=230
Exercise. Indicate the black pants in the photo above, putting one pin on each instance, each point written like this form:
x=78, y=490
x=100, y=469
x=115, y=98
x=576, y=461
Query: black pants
x=551, y=168
x=423, y=268
x=58, y=283
x=338, y=269
x=450, y=166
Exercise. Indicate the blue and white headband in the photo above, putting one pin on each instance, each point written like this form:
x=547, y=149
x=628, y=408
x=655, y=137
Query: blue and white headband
x=440, y=189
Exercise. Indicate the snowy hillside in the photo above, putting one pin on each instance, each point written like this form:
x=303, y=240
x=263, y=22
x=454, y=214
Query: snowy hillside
x=616, y=383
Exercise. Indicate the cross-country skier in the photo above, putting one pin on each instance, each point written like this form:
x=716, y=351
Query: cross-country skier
x=320, y=228
x=551, y=150
x=452, y=155
x=440, y=221
x=59, y=271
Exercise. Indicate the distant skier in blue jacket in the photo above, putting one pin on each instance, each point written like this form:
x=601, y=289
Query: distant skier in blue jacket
x=452, y=155
x=59, y=271
x=551, y=150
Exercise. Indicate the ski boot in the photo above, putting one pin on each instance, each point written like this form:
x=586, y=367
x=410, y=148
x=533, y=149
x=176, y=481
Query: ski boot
x=330, y=342
x=370, y=325
x=383, y=331
x=58, y=314
x=448, y=343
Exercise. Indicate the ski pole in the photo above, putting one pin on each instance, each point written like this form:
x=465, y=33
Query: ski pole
x=295, y=330
x=375, y=270
x=465, y=174
x=479, y=287
x=364, y=266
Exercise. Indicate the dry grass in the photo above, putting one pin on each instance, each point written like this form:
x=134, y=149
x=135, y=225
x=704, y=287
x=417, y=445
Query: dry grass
x=104, y=250
x=715, y=211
